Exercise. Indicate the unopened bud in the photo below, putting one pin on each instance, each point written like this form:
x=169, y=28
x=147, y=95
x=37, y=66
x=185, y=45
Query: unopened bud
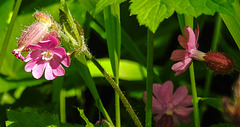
x=41, y=17
x=31, y=35
x=54, y=34
x=219, y=62
x=165, y=121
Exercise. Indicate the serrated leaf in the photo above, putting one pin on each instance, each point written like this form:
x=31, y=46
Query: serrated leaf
x=152, y=12
x=214, y=102
x=31, y=119
x=104, y=3
x=198, y=7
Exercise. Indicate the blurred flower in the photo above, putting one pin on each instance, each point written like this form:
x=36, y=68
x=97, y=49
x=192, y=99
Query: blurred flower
x=169, y=107
x=48, y=57
x=232, y=108
x=34, y=33
x=190, y=45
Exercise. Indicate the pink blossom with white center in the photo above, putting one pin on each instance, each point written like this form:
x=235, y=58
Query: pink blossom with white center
x=48, y=57
x=177, y=105
x=190, y=45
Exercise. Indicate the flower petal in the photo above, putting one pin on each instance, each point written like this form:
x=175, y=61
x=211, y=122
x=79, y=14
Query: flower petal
x=48, y=44
x=179, y=95
x=181, y=66
x=29, y=66
x=34, y=47
x=156, y=106
x=187, y=101
x=196, y=31
x=59, y=71
x=191, y=38
x=49, y=72
x=182, y=41
x=33, y=55
x=38, y=69
x=167, y=91
x=66, y=61
x=185, y=119
x=182, y=111
x=60, y=51
x=156, y=93
x=178, y=55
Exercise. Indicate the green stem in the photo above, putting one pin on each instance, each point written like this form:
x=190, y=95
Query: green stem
x=115, y=87
x=213, y=48
x=62, y=106
x=113, y=34
x=9, y=32
x=149, y=83
x=189, y=22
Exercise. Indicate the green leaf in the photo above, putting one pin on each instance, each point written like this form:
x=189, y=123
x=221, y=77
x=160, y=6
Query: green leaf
x=6, y=85
x=198, y=7
x=31, y=119
x=129, y=70
x=104, y=3
x=233, y=23
x=222, y=125
x=88, y=124
x=214, y=102
x=152, y=12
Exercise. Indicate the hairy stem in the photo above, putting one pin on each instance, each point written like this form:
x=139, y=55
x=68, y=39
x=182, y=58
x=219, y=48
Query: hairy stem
x=115, y=87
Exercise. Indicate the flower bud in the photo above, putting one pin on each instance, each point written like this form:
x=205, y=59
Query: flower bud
x=41, y=17
x=219, y=62
x=31, y=35
x=165, y=121
x=54, y=34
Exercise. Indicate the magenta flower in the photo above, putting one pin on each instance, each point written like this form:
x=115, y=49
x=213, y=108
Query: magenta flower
x=190, y=45
x=165, y=103
x=48, y=57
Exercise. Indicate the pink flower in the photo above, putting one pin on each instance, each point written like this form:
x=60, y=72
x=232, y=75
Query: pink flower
x=165, y=103
x=48, y=57
x=190, y=45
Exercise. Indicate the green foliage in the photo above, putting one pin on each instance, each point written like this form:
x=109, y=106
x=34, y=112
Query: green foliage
x=233, y=22
x=88, y=124
x=31, y=119
x=104, y=3
x=152, y=12
x=214, y=102
x=130, y=70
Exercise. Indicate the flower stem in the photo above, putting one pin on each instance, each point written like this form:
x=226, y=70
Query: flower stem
x=115, y=87
x=195, y=98
x=63, y=106
x=189, y=22
x=9, y=32
x=149, y=83
x=213, y=48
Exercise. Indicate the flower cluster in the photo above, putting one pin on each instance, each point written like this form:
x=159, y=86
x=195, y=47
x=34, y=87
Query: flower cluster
x=42, y=37
x=41, y=30
x=169, y=108
x=215, y=61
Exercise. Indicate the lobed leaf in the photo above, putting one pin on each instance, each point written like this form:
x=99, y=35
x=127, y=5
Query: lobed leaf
x=152, y=12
